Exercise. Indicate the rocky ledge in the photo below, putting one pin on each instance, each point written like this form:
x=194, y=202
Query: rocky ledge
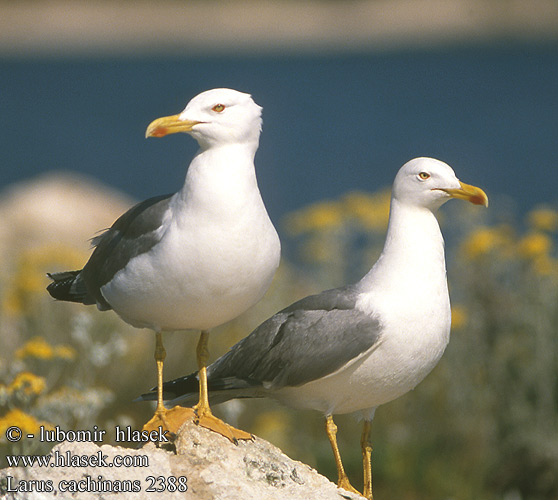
x=204, y=466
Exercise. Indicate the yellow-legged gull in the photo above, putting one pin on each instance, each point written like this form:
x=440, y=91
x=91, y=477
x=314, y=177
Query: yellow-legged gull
x=354, y=348
x=195, y=259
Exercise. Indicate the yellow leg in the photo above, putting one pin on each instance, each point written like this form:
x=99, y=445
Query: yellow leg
x=205, y=417
x=173, y=419
x=366, y=447
x=170, y=420
x=343, y=480
x=202, y=357
x=160, y=355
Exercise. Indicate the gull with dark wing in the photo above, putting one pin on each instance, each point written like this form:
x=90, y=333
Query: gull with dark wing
x=351, y=349
x=194, y=259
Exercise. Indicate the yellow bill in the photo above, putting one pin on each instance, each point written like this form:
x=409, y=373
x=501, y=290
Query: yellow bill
x=169, y=125
x=469, y=193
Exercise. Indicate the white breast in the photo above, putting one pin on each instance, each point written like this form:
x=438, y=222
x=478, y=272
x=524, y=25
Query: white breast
x=216, y=258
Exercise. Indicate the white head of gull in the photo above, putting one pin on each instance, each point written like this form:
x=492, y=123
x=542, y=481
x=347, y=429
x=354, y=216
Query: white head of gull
x=194, y=259
x=354, y=348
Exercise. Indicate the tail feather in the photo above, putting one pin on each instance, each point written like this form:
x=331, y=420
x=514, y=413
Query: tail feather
x=185, y=390
x=68, y=286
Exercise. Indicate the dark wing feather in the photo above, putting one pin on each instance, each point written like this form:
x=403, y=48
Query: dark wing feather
x=308, y=340
x=69, y=286
x=132, y=234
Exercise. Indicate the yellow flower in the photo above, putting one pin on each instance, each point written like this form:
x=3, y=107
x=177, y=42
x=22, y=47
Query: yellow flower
x=27, y=423
x=28, y=383
x=29, y=278
x=369, y=210
x=534, y=245
x=316, y=217
x=458, y=317
x=39, y=348
x=484, y=241
x=372, y=211
x=544, y=219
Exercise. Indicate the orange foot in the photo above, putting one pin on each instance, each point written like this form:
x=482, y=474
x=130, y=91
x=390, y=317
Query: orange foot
x=211, y=422
x=346, y=485
x=170, y=420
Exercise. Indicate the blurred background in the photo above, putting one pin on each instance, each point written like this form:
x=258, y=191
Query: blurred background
x=351, y=90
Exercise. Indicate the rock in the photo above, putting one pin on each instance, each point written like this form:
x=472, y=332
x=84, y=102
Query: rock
x=206, y=466
x=57, y=208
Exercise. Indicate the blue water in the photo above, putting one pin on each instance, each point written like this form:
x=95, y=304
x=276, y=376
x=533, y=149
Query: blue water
x=331, y=123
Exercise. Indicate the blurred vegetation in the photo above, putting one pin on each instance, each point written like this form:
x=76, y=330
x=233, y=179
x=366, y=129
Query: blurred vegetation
x=483, y=425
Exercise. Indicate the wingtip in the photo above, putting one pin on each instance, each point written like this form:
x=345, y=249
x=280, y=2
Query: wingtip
x=147, y=396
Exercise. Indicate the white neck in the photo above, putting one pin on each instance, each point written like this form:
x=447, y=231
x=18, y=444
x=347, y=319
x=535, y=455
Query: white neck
x=413, y=252
x=221, y=178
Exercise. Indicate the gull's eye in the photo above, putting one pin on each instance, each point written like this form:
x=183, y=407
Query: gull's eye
x=423, y=176
x=218, y=108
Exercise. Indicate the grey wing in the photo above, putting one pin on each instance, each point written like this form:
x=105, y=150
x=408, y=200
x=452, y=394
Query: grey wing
x=308, y=340
x=132, y=234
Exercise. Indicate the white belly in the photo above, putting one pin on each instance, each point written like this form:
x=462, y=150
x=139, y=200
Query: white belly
x=196, y=278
